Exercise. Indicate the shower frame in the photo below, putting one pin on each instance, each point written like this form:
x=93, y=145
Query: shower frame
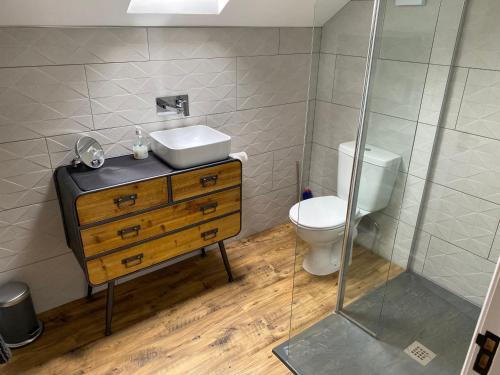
x=347, y=245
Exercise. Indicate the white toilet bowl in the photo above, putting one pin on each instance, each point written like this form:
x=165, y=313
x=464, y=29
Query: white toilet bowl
x=320, y=222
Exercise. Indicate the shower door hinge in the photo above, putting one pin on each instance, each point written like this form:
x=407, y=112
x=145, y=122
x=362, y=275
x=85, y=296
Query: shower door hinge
x=488, y=345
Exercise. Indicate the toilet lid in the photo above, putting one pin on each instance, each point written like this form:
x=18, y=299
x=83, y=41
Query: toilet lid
x=320, y=213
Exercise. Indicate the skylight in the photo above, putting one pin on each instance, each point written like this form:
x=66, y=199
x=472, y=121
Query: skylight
x=177, y=6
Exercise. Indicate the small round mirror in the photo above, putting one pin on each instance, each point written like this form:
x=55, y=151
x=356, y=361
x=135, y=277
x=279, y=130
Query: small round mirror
x=89, y=152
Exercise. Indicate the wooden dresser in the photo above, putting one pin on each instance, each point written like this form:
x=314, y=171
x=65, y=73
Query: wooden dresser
x=133, y=214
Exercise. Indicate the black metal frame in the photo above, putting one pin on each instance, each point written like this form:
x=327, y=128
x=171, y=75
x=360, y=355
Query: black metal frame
x=227, y=266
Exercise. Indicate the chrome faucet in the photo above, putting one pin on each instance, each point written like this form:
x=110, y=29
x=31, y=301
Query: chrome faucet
x=169, y=105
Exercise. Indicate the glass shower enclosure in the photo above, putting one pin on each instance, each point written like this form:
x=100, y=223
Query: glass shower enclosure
x=413, y=273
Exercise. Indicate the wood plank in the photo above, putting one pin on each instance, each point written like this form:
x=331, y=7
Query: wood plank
x=186, y=318
x=106, y=237
x=103, y=204
x=201, y=181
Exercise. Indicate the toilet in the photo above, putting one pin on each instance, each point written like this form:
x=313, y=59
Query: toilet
x=321, y=221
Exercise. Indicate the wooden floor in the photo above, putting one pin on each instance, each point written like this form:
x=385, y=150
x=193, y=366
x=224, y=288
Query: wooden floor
x=186, y=319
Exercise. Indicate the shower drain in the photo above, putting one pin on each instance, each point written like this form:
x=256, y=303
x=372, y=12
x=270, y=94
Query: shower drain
x=420, y=353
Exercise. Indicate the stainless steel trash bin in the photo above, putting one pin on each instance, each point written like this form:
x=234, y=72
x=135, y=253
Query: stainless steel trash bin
x=18, y=322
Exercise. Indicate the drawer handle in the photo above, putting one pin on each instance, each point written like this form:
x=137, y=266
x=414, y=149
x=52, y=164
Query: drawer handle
x=209, y=208
x=133, y=260
x=209, y=234
x=209, y=180
x=126, y=231
x=125, y=198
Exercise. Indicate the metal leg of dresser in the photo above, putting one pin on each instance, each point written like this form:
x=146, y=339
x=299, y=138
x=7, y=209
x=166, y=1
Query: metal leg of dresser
x=109, y=306
x=89, y=291
x=203, y=252
x=222, y=249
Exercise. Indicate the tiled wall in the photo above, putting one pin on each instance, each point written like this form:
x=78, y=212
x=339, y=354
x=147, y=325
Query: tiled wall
x=57, y=84
x=341, y=70
x=458, y=241
x=461, y=213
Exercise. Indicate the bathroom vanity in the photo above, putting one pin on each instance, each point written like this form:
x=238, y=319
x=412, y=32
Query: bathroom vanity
x=133, y=214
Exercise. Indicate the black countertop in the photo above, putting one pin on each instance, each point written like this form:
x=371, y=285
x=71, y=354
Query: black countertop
x=118, y=171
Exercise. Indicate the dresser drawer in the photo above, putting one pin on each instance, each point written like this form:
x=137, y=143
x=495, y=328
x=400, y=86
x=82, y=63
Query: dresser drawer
x=121, y=263
x=202, y=181
x=153, y=223
x=121, y=200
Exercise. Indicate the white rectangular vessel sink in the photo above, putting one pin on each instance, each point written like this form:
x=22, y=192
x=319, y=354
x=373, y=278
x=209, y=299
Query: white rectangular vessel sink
x=190, y=146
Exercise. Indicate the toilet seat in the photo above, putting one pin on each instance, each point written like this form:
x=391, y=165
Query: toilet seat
x=321, y=213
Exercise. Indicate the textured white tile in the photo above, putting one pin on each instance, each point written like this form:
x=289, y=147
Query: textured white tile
x=392, y=134
x=311, y=113
x=124, y=94
x=480, y=111
x=461, y=219
x=272, y=80
x=408, y=32
x=422, y=150
x=299, y=40
x=397, y=88
x=313, y=77
x=479, y=47
x=175, y=123
x=347, y=32
x=207, y=42
x=26, y=174
x=334, y=124
x=495, y=249
x=349, y=79
x=258, y=175
x=43, y=101
x=30, y=234
x=412, y=199
x=324, y=167
x=458, y=270
x=403, y=255
x=53, y=282
x=266, y=211
x=115, y=141
x=285, y=166
x=305, y=166
x=386, y=236
x=434, y=94
x=320, y=191
x=468, y=163
x=261, y=130
x=446, y=31
x=367, y=233
x=402, y=245
x=325, y=77
x=453, y=98
x=72, y=45
x=419, y=255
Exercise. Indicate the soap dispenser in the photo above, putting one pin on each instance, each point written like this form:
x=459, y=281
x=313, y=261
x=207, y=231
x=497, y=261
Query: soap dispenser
x=140, y=147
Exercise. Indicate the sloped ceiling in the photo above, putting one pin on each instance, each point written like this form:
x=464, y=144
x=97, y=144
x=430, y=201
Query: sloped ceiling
x=291, y=13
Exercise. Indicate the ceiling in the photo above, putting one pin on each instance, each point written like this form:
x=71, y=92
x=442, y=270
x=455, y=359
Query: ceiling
x=291, y=13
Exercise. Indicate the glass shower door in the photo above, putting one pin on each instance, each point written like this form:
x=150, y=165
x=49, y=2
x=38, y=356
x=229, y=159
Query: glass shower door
x=407, y=79
x=406, y=92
